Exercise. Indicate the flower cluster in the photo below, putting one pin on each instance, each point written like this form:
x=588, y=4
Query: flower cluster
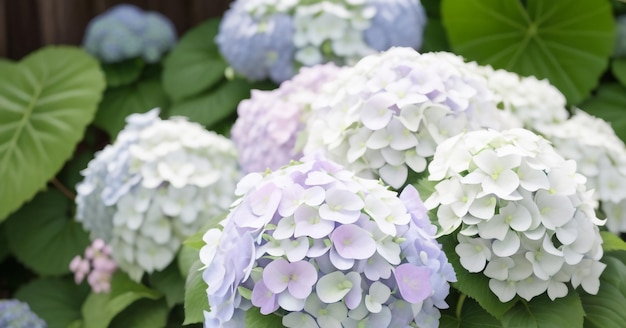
x=386, y=115
x=600, y=156
x=273, y=38
x=526, y=220
x=125, y=31
x=268, y=124
x=16, y=314
x=97, y=266
x=155, y=186
x=323, y=247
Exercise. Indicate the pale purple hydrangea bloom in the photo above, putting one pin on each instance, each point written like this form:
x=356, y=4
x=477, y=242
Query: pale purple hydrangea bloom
x=273, y=38
x=385, y=116
x=126, y=31
x=17, y=314
x=322, y=247
x=156, y=185
x=97, y=266
x=600, y=156
x=521, y=213
x=268, y=124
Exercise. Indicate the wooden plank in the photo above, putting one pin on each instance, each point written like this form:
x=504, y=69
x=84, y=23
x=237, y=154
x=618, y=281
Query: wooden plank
x=47, y=19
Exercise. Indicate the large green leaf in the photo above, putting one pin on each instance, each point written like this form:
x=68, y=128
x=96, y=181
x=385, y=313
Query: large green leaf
x=42, y=236
x=471, y=315
x=46, y=101
x=170, y=282
x=566, y=41
x=474, y=285
x=99, y=309
x=254, y=319
x=606, y=309
x=144, y=313
x=120, y=102
x=211, y=107
x=195, y=64
x=610, y=105
x=56, y=301
x=541, y=312
x=618, y=68
x=122, y=73
x=612, y=242
x=196, y=301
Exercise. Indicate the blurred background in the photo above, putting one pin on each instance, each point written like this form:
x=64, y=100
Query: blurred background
x=26, y=25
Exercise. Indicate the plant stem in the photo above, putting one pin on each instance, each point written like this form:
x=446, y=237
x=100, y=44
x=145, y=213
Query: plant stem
x=459, y=305
x=68, y=193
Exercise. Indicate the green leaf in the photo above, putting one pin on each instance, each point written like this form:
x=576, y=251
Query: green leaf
x=122, y=73
x=144, y=313
x=435, y=38
x=195, y=64
x=254, y=319
x=46, y=101
x=566, y=41
x=609, y=104
x=471, y=316
x=4, y=245
x=120, y=102
x=187, y=256
x=196, y=301
x=42, y=236
x=171, y=283
x=57, y=301
x=541, y=312
x=99, y=309
x=618, y=68
x=195, y=241
x=474, y=285
x=210, y=108
x=606, y=309
x=612, y=242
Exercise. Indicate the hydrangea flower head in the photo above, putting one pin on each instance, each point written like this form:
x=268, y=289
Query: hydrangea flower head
x=600, y=156
x=320, y=246
x=97, y=266
x=386, y=115
x=268, y=124
x=16, y=314
x=125, y=31
x=273, y=38
x=155, y=186
x=523, y=215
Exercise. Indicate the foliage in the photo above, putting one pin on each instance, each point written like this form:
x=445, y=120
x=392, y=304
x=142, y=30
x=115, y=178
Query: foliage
x=59, y=106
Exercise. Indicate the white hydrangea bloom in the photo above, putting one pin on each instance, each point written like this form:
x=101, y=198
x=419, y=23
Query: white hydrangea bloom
x=600, y=156
x=386, y=115
x=523, y=214
x=156, y=185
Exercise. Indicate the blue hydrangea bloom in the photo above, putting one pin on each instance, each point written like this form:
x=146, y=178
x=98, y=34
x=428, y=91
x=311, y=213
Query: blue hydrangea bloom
x=16, y=314
x=126, y=31
x=274, y=39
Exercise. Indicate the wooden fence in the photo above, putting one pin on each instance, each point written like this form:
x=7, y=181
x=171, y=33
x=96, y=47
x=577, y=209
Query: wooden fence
x=26, y=25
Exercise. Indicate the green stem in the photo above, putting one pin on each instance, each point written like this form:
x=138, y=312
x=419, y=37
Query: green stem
x=68, y=193
x=459, y=305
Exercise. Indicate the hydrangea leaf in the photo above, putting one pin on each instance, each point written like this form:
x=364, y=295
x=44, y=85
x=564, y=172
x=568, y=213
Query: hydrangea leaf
x=144, y=313
x=606, y=309
x=618, y=68
x=99, y=309
x=471, y=315
x=57, y=301
x=46, y=101
x=435, y=38
x=171, y=283
x=185, y=259
x=612, y=242
x=254, y=319
x=120, y=102
x=42, y=236
x=196, y=301
x=211, y=107
x=195, y=64
x=609, y=104
x=566, y=41
x=4, y=245
x=122, y=73
x=474, y=285
x=541, y=312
